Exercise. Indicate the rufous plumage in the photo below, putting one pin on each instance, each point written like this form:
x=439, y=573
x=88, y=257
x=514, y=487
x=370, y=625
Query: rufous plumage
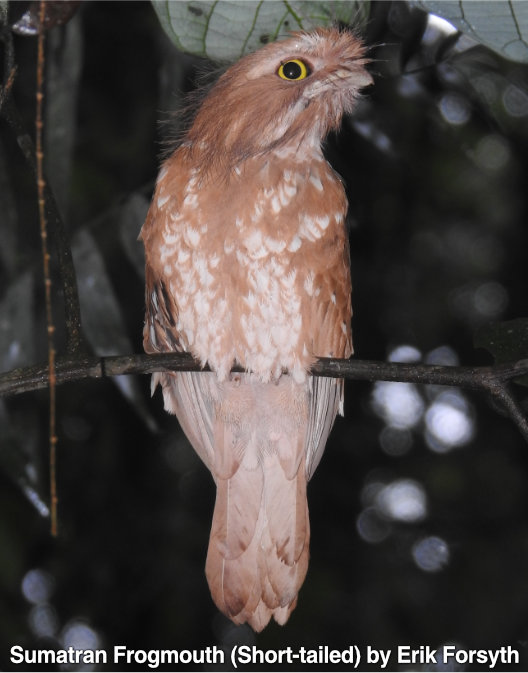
x=247, y=264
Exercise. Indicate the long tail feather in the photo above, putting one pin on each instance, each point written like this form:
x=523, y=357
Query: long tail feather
x=253, y=580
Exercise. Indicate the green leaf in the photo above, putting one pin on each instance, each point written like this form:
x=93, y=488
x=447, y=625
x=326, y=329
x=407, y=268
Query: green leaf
x=506, y=341
x=501, y=26
x=225, y=30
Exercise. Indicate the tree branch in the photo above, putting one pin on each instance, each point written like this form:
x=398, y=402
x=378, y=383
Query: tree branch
x=488, y=379
x=501, y=392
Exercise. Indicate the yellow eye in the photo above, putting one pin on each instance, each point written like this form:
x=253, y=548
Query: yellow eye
x=294, y=70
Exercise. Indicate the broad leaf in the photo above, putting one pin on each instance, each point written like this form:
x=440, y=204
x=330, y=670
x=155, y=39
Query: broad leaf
x=501, y=26
x=225, y=30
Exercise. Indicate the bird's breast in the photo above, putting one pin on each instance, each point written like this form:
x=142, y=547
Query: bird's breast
x=248, y=261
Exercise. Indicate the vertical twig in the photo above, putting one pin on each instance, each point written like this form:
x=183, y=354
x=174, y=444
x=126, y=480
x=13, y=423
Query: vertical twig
x=41, y=187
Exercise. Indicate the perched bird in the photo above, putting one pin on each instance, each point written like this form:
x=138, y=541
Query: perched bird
x=247, y=264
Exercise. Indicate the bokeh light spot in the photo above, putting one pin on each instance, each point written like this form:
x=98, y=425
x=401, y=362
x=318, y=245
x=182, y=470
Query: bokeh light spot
x=492, y=153
x=399, y=404
x=431, y=554
x=371, y=527
x=491, y=299
x=454, y=109
x=404, y=353
x=403, y=500
x=37, y=586
x=448, y=422
x=43, y=620
x=79, y=635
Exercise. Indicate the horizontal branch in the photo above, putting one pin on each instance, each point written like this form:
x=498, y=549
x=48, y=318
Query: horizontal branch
x=81, y=367
x=492, y=380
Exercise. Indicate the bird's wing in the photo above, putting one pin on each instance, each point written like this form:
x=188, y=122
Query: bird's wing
x=329, y=313
x=326, y=399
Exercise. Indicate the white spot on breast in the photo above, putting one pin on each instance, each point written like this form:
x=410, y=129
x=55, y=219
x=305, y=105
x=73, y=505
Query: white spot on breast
x=344, y=328
x=323, y=221
x=256, y=214
x=228, y=247
x=275, y=205
x=309, y=228
x=308, y=284
x=288, y=279
x=333, y=298
x=262, y=280
x=299, y=374
x=295, y=243
x=251, y=301
x=190, y=200
x=274, y=245
x=254, y=240
x=183, y=256
x=255, y=245
x=297, y=323
x=162, y=174
x=242, y=259
x=175, y=216
x=316, y=182
x=192, y=236
x=200, y=265
x=169, y=239
x=202, y=304
x=259, y=253
x=162, y=200
x=287, y=192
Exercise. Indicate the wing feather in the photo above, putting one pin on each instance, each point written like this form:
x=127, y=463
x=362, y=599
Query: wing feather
x=326, y=399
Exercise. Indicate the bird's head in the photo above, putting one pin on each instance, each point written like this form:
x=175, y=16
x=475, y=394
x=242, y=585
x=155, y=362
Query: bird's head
x=284, y=97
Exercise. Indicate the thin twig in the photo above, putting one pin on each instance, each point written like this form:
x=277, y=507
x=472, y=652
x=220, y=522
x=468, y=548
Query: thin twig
x=41, y=185
x=502, y=393
x=58, y=233
x=10, y=68
x=5, y=91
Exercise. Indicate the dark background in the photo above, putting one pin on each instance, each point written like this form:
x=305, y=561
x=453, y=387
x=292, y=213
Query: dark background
x=415, y=540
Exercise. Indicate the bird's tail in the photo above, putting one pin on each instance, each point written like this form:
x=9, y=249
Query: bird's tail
x=259, y=545
x=253, y=437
